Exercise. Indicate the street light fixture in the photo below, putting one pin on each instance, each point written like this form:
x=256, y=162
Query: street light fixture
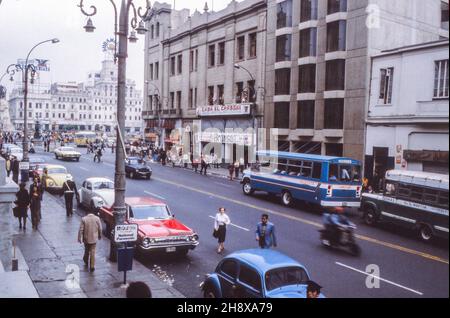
x=121, y=31
x=89, y=27
x=28, y=71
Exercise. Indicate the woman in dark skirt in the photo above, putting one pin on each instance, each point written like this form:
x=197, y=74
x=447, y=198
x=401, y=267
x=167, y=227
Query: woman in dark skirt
x=23, y=201
x=35, y=203
x=220, y=226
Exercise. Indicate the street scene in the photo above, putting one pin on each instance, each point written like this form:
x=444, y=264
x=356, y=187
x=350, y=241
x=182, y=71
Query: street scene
x=225, y=149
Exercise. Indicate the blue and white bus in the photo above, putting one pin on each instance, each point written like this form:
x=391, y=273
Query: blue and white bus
x=319, y=180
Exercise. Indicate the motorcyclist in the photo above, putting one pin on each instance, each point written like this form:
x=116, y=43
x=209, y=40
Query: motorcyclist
x=334, y=222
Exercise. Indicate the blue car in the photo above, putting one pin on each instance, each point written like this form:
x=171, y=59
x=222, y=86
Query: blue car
x=257, y=273
x=137, y=168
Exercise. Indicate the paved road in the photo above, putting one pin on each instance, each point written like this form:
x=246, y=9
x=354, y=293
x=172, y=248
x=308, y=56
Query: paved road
x=408, y=267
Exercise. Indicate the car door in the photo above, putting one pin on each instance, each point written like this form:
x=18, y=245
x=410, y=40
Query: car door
x=227, y=273
x=249, y=283
x=87, y=195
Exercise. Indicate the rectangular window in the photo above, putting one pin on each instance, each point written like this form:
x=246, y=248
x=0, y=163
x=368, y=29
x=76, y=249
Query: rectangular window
x=157, y=29
x=386, y=83
x=195, y=97
x=191, y=98
x=441, y=79
x=336, y=36
x=307, y=78
x=317, y=171
x=239, y=91
x=252, y=91
x=179, y=100
x=335, y=75
x=284, y=14
x=240, y=48
x=334, y=114
x=196, y=61
x=156, y=70
x=444, y=15
x=180, y=64
x=252, y=41
x=283, y=81
x=210, y=95
x=221, y=92
x=335, y=6
x=308, y=42
x=308, y=10
x=282, y=113
x=172, y=66
x=172, y=100
x=191, y=61
x=151, y=72
x=284, y=48
x=212, y=56
x=306, y=114
x=222, y=53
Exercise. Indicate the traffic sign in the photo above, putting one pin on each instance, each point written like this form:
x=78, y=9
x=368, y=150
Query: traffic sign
x=24, y=165
x=126, y=233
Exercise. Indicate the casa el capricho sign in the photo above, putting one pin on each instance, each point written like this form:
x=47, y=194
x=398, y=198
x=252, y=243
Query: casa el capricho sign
x=224, y=110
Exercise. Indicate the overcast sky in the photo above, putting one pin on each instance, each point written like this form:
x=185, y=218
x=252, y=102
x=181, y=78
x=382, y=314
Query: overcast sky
x=24, y=23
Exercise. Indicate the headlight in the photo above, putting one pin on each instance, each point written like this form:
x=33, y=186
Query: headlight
x=50, y=183
x=194, y=237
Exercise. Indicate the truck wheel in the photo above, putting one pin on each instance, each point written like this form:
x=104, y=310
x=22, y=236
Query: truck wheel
x=247, y=188
x=425, y=233
x=370, y=216
x=286, y=198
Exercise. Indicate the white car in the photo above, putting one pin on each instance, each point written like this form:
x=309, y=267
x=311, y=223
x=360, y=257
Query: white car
x=97, y=192
x=16, y=152
x=67, y=153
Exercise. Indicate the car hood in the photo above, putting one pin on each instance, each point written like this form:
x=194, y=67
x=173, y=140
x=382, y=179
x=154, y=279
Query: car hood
x=294, y=291
x=107, y=195
x=70, y=153
x=162, y=228
x=58, y=178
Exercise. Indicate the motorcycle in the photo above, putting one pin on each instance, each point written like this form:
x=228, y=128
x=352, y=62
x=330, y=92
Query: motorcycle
x=346, y=239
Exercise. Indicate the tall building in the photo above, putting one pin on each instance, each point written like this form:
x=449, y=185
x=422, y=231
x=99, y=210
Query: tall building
x=77, y=106
x=408, y=118
x=205, y=74
x=319, y=61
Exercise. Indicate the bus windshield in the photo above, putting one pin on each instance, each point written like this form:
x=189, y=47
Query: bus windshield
x=345, y=173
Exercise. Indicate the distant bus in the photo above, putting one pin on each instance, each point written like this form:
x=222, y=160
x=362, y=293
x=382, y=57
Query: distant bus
x=414, y=199
x=320, y=180
x=83, y=137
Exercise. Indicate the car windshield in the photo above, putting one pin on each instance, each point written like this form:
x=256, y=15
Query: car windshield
x=103, y=185
x=159, y=212
x=286, y=276
x=67, y=149
x=135, y=162
x=57, y=171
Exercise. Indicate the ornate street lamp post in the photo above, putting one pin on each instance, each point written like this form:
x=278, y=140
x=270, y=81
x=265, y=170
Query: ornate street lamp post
x=121, y=32
x=28, y=74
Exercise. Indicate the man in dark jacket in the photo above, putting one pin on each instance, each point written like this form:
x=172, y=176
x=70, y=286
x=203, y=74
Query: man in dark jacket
x=15, y=169
x=69, y=191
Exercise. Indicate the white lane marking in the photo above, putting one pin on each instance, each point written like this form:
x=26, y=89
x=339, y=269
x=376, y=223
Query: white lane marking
x=83, y=168
x=155, y=195
x=379, y=278
x=239, y=227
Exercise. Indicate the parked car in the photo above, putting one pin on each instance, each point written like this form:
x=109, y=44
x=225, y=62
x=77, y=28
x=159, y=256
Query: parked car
x=97, y=192
x=67, y=153
x=159, y=231
x=137, y=168
x=34, y=162
x=15, y=152
x=257, y=273
x=57, y=175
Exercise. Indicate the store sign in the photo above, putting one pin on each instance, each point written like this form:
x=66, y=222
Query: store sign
x=225, y=110
x=241, y=139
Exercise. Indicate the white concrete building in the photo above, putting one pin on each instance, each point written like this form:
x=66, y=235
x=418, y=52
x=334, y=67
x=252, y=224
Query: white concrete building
x=408, y=119
x=77, y=106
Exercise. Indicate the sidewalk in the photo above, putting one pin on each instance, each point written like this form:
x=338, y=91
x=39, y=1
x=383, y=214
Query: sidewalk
x=52, y=252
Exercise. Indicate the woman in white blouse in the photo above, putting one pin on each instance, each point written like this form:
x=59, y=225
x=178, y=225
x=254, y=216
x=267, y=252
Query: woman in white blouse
x=220, y=226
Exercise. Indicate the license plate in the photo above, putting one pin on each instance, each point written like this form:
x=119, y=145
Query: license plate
x=171, y=249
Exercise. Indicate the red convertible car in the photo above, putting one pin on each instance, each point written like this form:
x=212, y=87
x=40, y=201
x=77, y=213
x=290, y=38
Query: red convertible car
x=159, y=231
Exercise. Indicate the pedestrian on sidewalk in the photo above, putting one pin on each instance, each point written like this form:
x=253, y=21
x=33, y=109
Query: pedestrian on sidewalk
x=265, y=233
x=220, y=228
x=15, y=169
x=89, y=234
x=35, y=203
x=204, y=165
x=69, y=191
x=8, y=166
x=231, y=171
x=139, y=290
x=237, y=167
x=22, y=202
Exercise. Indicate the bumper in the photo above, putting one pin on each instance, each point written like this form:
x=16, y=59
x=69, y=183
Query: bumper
x=70, y=157
x=143, y=174
x=168, y=248
x=340, y=204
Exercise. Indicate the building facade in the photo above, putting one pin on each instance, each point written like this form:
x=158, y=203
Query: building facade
x=204, y=74
x=318, y=65
x=77, y=106
x=408, y=119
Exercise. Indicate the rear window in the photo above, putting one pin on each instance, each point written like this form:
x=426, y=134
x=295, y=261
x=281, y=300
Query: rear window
x=285, y=276
x=250, y=277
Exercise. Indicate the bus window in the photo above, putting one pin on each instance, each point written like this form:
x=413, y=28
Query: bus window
x=306, y=171
x=317, y=171
x=356, y=174
x=294, y=168
x=345, y=173
x=333, y=174
x=282, y=166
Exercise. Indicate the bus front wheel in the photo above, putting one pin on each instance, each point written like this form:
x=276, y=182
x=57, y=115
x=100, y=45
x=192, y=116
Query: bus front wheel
x=426, y=233
x=286, y=198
